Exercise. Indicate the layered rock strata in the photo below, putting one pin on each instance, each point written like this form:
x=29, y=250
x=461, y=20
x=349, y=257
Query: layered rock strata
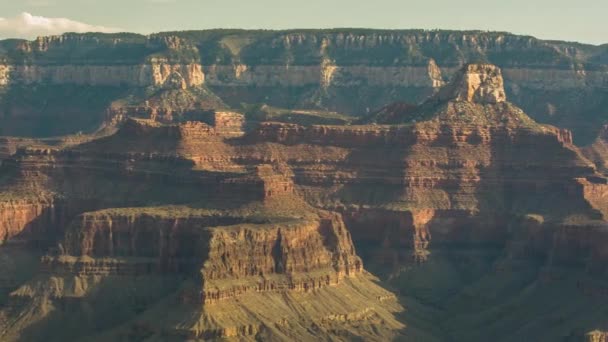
x=267, y=228
x=234, y=254
x=234, y=262
x=157, y=73
x=349, y=71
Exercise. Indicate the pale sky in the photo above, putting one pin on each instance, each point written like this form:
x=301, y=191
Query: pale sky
x=581, y=20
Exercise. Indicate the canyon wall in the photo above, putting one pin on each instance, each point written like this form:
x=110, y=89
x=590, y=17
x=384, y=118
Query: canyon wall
x=156, y=73
x=351, y=71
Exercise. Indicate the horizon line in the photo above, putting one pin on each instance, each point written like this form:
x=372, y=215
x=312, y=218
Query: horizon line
x=328, y=29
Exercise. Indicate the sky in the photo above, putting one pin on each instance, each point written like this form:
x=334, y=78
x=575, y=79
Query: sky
x=581, y=20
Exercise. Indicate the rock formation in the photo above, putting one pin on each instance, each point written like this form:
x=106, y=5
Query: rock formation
x=480, y=83
x=212, y=231
x=597, y=336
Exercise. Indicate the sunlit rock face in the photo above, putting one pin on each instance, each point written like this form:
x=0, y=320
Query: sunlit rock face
x=479, y=83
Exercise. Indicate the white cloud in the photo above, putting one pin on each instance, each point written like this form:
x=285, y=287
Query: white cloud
x=26, y=25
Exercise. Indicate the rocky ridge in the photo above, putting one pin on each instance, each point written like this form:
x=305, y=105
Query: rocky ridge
x=299, y=69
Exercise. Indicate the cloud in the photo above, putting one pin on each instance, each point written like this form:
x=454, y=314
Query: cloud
x=26, y=25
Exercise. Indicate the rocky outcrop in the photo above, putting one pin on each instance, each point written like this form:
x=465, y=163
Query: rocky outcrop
x=595, y=192
x=21, y=217
x=228, y=123
x=4, y=74
x=596, y=336
x=479, y=83
x=37, y=221
x=300, y=257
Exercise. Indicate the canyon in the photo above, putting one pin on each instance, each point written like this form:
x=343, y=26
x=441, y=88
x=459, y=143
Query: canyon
x=434, y=208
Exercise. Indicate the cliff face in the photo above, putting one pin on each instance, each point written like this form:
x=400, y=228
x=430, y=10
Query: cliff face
x=157, y=73
x=351, y=71
x=463, y=201
x=597, y=336
x=223, y=248
x=18, y=217
x=4, y=75
x=232, y=261
x=428, y=76
x=598, y=150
